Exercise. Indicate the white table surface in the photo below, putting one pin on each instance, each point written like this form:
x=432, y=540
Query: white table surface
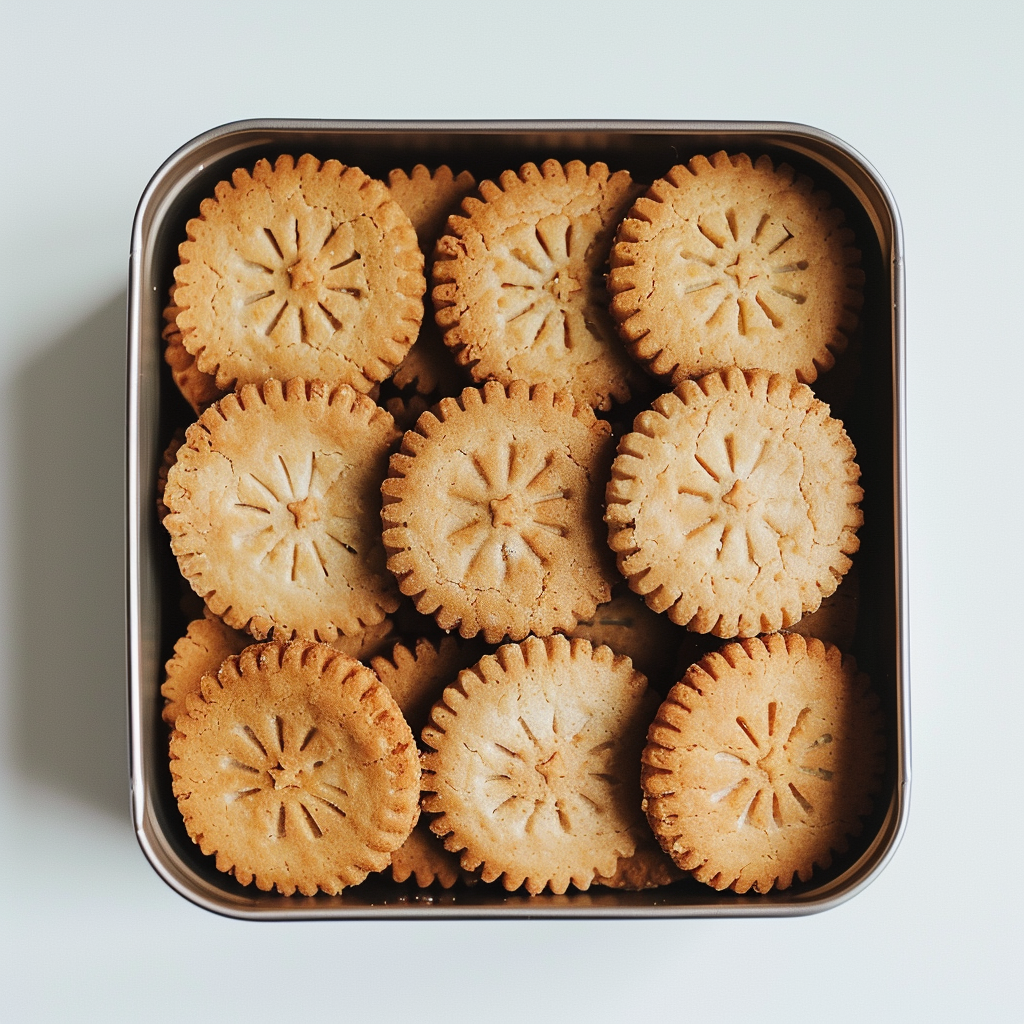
x=95, y=96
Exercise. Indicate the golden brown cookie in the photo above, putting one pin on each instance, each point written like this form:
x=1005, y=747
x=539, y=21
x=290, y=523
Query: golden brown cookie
x=428, y=198
x=209, y=641
x=168, y=460
x=416, y=677
x=274, y=499
x=533, y=762
x=519, y=281
x=649, y=868
x=198, y=389
x=491, y=512
x=835, y=621
x=628, y=626
x=296, y=768
x=200, y=652
x=762, y=761
x=733, y=505
x=724, y=262
x=300, y=269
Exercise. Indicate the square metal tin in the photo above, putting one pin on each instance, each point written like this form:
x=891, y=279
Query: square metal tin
x=647, y=149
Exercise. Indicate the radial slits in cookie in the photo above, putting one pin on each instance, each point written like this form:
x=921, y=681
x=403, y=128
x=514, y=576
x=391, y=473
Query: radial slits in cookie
x=762, y=761
x=273, y=499
x=519, y=280
x=725, y=262
x=489, y=512
x=733, y=505
x=296, y=768
x=532, y=771
x=301, y=268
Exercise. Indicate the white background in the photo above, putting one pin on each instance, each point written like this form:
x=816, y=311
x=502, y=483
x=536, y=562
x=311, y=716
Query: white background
x=95, y=96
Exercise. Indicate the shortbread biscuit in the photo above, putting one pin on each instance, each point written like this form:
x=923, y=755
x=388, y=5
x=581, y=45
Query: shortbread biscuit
x=198, y=389
x=835, y=621
x=492, y=512
x=274, y=499
x=169, y=457
x=733, y=505
x=533, y=763
x=725, y=262
x=649, y=868
x=628, y=626
x=519, y=280
x=416, y=677
x=300, y=269
x=296, y=769
x=209, y=641
x=762, y=762
x=428, y=198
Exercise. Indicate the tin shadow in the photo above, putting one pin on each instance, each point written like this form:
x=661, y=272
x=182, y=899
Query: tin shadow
x=68, y=418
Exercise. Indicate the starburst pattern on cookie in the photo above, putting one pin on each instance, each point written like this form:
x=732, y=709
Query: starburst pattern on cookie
x=761, y=762
x=533, y=767
x=303, y=268
x=505, y=544
x=727, y=262
x=519, y=280
x=733, y=505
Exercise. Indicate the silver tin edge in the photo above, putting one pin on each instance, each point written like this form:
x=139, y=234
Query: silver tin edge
x=178, y=168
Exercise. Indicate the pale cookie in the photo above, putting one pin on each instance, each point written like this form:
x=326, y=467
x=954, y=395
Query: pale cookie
x=649, y=868
x=725, y=262
x=198, y=389
x=296, y=769
x=492, y=512
x=733, y=505
x=209, y=641
x=274, y=499
x=533, y=765
x=762, y=761
x=300, y=269
x=416, y=678
x=519, y=281
x=428, y=198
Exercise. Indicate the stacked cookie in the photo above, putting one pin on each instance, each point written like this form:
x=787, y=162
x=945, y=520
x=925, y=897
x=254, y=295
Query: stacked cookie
x=335, y=553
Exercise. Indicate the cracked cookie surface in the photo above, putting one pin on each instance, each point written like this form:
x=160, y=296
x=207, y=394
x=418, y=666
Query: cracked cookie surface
x=491, y=512
x=762, y=761
x=733, y=504
x=274, y=500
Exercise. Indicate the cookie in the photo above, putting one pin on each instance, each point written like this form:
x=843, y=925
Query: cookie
x=519, y=280
x=728, y=263
x=835, y=621
x=428, y=198
x=169, y=457
x=296, y=769
x=628, y=626
x=274, y=499
x=416, y=677
x=491, y=512
x=649, y=868
x=733, y=505
x=762, y=761
x=208, y=642
x=300, y=269
x=532, y=764
x=198, y=389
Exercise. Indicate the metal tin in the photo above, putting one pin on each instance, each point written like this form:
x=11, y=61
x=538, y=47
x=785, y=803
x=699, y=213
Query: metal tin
x=647, y=149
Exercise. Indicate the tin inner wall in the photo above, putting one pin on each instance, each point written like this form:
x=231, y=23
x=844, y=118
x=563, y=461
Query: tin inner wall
x=870, y=417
